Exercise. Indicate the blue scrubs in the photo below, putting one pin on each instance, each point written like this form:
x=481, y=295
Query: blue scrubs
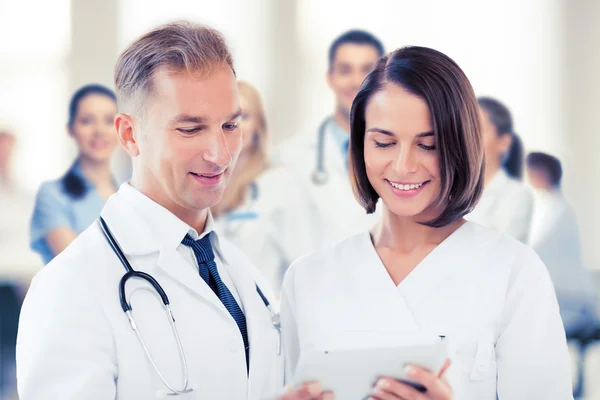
x=55, y=208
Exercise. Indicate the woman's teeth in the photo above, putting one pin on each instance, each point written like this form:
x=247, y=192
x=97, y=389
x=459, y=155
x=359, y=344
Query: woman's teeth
x=400, y=186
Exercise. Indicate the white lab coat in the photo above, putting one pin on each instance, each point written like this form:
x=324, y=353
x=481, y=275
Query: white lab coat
x=555, y=237
x=274, y=226
x=506, y=206
x=336, y=211
x=487, y=293
x=75, y=342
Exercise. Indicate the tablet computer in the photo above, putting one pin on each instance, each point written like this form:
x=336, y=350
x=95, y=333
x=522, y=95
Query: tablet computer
x=350, y=374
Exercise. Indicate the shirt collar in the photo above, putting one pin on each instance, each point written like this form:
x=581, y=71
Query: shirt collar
x=340, y=135
x=167, y=228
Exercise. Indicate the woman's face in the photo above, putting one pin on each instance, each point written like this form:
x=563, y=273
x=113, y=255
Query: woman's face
x=401, y=157
x=93, y=127
x=249, y=122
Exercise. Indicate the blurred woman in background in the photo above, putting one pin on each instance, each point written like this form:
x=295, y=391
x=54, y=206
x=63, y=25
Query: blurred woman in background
x=263, y=211
x=65, y=207
x=506, y=204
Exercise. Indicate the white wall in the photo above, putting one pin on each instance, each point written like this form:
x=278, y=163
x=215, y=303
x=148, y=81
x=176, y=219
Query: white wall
x=33, y=80
x=583, y=121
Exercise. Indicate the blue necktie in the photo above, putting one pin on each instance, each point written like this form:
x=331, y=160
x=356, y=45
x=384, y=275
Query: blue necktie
x=208, y=271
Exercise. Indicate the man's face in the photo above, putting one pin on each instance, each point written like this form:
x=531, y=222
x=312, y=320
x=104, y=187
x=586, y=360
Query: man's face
x=189, y=138
x=351, y=64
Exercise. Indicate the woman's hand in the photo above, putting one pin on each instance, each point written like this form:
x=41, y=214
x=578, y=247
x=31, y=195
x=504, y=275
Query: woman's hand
x=437, y=386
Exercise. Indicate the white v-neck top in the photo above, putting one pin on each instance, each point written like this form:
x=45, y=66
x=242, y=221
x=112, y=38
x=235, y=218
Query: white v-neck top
x=489, y=294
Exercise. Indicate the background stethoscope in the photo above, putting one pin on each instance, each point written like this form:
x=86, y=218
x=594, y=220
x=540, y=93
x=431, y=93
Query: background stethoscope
x=233, y=219
x=131, y=273
x=320, y=175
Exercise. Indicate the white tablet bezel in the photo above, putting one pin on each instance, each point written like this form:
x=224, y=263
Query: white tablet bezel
x=346, y=372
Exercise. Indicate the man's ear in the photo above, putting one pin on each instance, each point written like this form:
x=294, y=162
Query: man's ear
x=505, y=142
x=124, y=126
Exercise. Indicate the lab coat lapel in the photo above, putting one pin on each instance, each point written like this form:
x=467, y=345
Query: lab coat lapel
x=134, y=236
x=127, y=227
x=436, y=274
x=256, y=314
x=374, y=278
x=173, y=265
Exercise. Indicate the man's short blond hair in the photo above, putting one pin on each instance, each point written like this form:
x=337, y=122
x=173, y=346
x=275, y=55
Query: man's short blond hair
x=176, y=47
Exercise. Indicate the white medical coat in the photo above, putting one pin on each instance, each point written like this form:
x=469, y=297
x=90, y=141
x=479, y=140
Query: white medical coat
x=75, y=342
x=506, y=206
x=488, y=294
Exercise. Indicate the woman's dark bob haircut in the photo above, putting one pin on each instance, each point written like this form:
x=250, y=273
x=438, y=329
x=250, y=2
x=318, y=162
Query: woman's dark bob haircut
x=439, y=81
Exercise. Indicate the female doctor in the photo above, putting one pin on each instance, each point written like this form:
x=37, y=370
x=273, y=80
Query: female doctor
x=67, y=206
x=264, y=202
x=416, y=144
x=506, y=204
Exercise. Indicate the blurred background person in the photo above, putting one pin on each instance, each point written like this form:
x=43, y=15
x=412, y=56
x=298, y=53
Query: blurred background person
x=262, y=210
x=17, y=262
x=65, y=207
x=320, y=158
x=555, y=237
x=506, y=204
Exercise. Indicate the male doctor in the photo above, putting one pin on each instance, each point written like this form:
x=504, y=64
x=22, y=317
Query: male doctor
x=179, y=121
x=320, y=158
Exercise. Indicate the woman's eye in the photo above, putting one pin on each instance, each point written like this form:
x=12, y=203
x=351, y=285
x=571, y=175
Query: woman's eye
x=382, y=145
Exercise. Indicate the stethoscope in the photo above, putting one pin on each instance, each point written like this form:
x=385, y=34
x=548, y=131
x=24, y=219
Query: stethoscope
x=131, y=273
x=320, y=175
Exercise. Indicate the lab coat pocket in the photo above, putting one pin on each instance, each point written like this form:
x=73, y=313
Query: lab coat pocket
x=476, y=359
